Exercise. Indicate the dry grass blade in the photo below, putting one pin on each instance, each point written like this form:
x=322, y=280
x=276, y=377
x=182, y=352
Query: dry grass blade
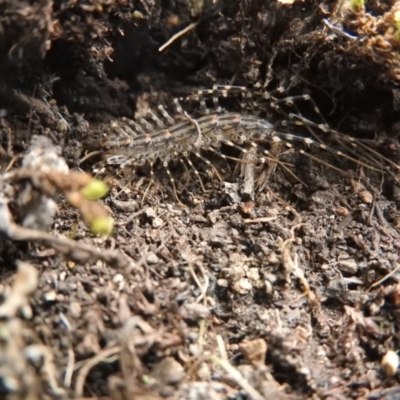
x=27, y=366
x=237, y=377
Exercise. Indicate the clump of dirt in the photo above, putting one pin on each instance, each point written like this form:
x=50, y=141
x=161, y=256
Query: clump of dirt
x=291, y=291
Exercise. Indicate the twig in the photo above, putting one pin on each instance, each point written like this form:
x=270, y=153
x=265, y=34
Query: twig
x=337, y=30
x=384, y=278
x=89, y=364
x=238, y=378
x=221, y=347
x=78, y=252
x=178, y=35
x=259, y=220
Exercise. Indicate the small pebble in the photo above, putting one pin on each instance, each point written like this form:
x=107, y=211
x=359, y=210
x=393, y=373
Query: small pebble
x=138, y=15
x=151, y=258
x=157, y=222
x=60, y=297
x=75, y=309
x=223, y=283
x=150, y=213
x=366, y=197
x=193, y=336
x=194, y=349
x=71, y=264
x=62, y=276
x=193, y=311
x=273, y=259
x=253, y=274
x=50, y=296
x=390, y=363
x=242, y=286
x=118, y=278
x=349, y=266
x=203, y=372
x=168, y=371
x=343, y=211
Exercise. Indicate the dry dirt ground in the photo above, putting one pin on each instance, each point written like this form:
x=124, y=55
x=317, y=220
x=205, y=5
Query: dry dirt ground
x=290, y=292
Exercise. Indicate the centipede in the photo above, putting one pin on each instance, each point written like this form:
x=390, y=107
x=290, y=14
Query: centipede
x=159, y=138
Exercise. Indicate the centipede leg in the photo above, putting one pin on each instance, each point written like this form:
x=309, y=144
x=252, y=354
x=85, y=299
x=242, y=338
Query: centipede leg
x=196, y=173
x=166, y=115
x=172, y=180
x=376, y=159
x=209, y=164
x=151, y=181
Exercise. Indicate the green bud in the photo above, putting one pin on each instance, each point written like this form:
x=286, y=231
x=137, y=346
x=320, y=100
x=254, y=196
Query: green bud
x=102, y=226
x=94, y=190
x=397, y=21
x=357, y=5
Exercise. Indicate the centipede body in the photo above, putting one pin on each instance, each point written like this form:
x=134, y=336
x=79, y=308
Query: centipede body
x=161, y=138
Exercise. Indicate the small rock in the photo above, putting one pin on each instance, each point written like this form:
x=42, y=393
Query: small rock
x=223, y=283
x=203, y=372
x=242, y=286
x=349, y=266
x=62, y=276
x=273, y=259
x=151, y=258
x=342, y=211
x=118, y=278
x=71, y=265
x=157, y=222
x=193, y=337
x=119, y=281
x=50, y=296
x=390, y=363
x=253, y=274
x=193, y=311
x=194, y=349
x=150, y=213
x=168, y=371
x=366, y=197
x=75, y=309
x=254, y=351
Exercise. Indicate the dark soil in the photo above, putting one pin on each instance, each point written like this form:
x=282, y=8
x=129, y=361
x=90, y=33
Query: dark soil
x=291, y=292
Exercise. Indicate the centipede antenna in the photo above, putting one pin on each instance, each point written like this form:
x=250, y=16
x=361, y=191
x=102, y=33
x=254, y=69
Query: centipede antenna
x=341, y=139
x=346, y=142
x=298, y=119
x=367, y=148
x=284, y=137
